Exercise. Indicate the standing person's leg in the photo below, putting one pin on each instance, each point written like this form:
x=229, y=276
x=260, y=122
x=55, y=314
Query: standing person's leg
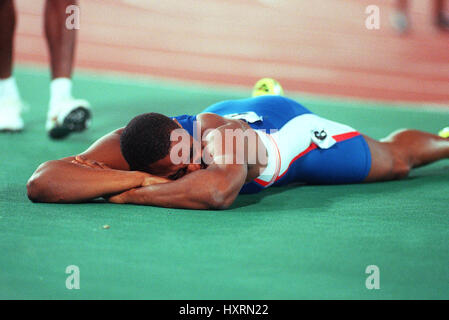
x=10, y=103
x=61, y=41
x=441, y=19
x=399, y=19
x=403, y=150
x=66, y=114
x=7, y=26
x=402, y=5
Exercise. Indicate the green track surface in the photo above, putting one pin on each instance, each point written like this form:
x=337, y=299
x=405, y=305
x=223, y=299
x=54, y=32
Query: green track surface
x=303, y=242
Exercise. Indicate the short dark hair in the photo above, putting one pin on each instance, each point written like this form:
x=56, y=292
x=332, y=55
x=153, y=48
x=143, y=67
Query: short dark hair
x=146, y=139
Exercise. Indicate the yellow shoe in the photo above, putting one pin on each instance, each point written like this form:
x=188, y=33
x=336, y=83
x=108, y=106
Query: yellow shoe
x=267, y=86
x=444, y=133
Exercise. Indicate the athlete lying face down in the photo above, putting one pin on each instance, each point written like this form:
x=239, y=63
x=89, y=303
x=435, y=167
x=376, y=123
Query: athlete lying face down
x=232, y=147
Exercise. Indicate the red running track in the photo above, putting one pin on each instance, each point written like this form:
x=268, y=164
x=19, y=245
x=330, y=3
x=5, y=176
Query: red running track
x=319, y=47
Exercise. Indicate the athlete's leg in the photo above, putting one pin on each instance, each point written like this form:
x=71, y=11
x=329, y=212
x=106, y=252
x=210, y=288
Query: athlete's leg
x=61, y=41
x=7, y=25
x=10, y=102
x=438, y=7
x=441, y=19
x=399, y=18
x=394, y=156
x=402, y=5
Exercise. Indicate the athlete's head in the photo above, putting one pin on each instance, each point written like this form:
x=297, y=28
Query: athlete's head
x=146, y=145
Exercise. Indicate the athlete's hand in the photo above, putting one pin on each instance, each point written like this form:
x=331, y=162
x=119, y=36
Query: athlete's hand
x=149, y=179
x=89, y=163
x=127, y=196
x=118, y=198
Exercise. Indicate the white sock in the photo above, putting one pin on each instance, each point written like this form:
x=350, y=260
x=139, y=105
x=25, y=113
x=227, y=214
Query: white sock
x=8, y=89
x=60, y=90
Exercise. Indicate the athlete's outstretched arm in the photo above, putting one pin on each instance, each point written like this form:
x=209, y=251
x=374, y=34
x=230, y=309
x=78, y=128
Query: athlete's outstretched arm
x=99, y=171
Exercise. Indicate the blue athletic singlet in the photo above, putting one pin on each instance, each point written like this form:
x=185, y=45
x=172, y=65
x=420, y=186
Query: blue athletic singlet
x=301, y=146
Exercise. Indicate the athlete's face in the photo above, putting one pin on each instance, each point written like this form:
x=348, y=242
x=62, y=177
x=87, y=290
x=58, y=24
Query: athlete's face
x=190, y=161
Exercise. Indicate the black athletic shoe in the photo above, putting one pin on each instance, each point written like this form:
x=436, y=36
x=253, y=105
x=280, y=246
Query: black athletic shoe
x=75, y=118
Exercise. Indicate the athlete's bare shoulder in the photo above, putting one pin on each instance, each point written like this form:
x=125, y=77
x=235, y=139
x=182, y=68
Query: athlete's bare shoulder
x=213, y=121
x=107, y=150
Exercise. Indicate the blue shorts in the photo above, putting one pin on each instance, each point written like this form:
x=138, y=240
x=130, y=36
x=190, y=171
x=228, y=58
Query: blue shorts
x=347, y=161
